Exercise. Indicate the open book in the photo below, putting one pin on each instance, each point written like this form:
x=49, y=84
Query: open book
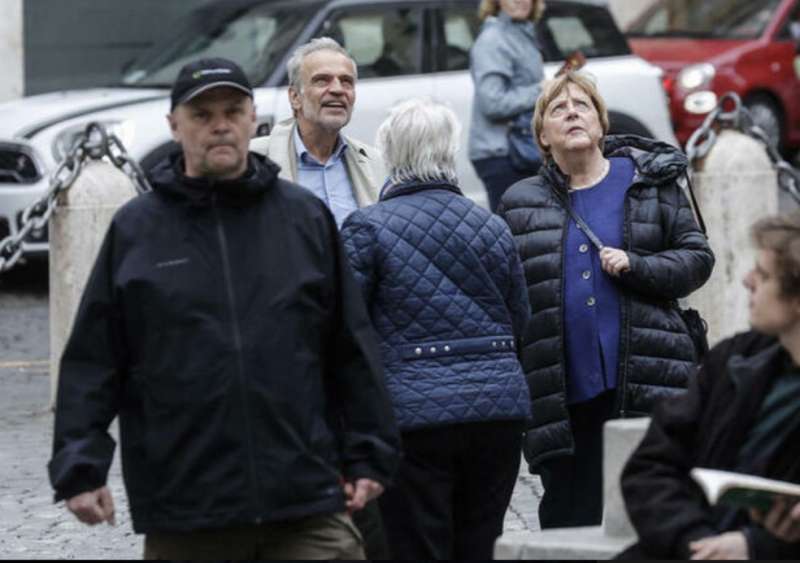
x=745, y=491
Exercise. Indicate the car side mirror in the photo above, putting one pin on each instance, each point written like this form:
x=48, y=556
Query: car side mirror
x=794, y=31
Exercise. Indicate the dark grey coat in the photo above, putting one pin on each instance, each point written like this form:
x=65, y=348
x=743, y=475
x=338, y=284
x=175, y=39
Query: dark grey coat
x=669, y=258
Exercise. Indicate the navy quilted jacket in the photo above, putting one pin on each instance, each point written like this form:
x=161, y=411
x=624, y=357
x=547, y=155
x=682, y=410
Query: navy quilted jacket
x=446, y=293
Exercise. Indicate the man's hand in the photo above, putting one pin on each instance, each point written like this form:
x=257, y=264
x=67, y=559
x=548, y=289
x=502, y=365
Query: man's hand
x=93, y=507
x=361, y=493
x=614, y=261
x=730, y=545
x=782, y=521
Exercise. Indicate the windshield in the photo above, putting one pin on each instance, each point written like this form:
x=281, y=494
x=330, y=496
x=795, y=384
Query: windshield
x=256, y=36
x=727, y=19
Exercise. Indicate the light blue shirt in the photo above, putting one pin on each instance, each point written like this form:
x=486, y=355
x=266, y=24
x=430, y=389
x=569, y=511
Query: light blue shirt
x=328, y=181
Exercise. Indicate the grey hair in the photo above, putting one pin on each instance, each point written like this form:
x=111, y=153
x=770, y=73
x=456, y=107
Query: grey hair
x=295, y=62
x=419, y=140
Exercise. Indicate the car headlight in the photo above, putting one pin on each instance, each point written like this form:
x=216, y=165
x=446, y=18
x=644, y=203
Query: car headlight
x=700, y=102
x=696, y=76
x=65, y=140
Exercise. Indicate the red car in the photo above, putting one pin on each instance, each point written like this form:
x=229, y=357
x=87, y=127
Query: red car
x=709, y=47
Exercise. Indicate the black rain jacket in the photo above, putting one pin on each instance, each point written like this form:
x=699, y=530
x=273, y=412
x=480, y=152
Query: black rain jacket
x=224, y=327
x=706, y=428
x=669, y=258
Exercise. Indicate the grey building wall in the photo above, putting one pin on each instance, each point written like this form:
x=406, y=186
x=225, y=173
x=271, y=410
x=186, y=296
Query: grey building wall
x=83, y=43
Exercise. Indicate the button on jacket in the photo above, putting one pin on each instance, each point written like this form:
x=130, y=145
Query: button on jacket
x=446, y=294
x=222, y=323
x=669, y=258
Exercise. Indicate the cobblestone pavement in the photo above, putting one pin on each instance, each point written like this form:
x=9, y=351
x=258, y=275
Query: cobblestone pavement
x=31, y=526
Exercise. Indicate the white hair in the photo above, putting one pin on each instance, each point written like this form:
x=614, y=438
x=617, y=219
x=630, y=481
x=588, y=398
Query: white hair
x=419, y=140
x=295, y=62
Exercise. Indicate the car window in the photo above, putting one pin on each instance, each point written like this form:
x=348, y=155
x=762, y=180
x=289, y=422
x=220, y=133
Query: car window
x=791, y=27
x=460, y=28
x=731, y=19
x=256, y=37
x=384, y=42
x=565, y=28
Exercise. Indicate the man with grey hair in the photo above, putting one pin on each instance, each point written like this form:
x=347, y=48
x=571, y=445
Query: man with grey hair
x=343, y=172
x=447, y=295
x=309, y=147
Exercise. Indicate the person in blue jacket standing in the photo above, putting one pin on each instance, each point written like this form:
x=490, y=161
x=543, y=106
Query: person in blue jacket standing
x=446, y=293
x=507, y=71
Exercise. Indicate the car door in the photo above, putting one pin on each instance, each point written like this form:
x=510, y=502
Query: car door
x=786, y=70
x=387, y=43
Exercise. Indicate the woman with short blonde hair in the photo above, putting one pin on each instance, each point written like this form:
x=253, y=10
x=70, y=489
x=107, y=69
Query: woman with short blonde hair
x=610, y=243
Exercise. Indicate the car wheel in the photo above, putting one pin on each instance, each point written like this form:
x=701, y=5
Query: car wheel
x=767, y=116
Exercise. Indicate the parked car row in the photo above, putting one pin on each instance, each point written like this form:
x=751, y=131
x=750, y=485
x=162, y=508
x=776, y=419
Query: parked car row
x=403, y=48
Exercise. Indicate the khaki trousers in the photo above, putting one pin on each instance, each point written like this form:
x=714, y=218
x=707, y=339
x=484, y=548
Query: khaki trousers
x=328, y=536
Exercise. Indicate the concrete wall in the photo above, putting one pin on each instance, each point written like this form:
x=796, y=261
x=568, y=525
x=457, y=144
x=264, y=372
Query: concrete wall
x=11, y=57
x=83, y=43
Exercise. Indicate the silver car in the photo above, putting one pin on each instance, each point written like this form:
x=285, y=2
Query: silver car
x=403, y=48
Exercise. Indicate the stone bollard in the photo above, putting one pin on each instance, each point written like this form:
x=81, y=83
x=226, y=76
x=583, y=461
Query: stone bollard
x=620, y=438
x=76, y=233
x=736, y=186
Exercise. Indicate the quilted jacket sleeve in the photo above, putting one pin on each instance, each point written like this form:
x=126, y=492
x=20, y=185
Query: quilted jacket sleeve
x=359, y=242
x=369, y=436
x=517, y=296
x=89, y=388
x=667, y=509
x=685, y=264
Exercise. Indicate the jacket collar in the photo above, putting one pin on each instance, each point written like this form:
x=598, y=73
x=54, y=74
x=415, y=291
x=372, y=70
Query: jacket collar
x=280, y=145
x=655, y=162
x=409, y=187
x=751, y=377
x=748, y=372
x=168, y=178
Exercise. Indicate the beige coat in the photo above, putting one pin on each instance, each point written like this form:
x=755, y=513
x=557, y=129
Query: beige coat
x=364, y=166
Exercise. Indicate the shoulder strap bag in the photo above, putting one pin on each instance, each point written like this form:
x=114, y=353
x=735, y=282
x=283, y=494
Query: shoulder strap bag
x=696, y=326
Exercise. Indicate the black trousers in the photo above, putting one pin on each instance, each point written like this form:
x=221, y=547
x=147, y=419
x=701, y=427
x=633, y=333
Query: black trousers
x=573, y=485
x=452, y=490
x=497, y=176
x=370, y=524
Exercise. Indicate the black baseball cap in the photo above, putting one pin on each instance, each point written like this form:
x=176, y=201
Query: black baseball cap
x=205, y=74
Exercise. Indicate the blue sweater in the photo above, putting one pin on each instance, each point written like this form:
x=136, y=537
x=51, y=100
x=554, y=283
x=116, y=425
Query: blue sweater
x=446, y=293
x=591, y=298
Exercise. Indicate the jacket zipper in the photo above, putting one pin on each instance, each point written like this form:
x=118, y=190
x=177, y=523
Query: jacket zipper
x=622, y=368
x=237, y=341
x=564, y=234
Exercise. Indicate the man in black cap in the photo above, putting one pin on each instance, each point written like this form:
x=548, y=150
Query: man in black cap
x=222, y=324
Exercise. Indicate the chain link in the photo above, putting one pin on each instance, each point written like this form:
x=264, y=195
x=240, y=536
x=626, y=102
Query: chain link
x=740, y=119
x=93, y=143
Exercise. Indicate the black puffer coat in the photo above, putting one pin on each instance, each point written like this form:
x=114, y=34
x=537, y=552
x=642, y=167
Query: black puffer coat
x=669, y=258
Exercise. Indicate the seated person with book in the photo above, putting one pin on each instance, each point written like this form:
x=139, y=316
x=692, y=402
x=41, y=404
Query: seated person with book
x=741, y=414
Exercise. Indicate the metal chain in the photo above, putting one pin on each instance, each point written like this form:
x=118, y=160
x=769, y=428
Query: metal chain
x=740, y=119
x=93, y=143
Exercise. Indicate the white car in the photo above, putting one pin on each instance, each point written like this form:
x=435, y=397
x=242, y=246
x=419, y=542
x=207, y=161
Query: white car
x=403, y=48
